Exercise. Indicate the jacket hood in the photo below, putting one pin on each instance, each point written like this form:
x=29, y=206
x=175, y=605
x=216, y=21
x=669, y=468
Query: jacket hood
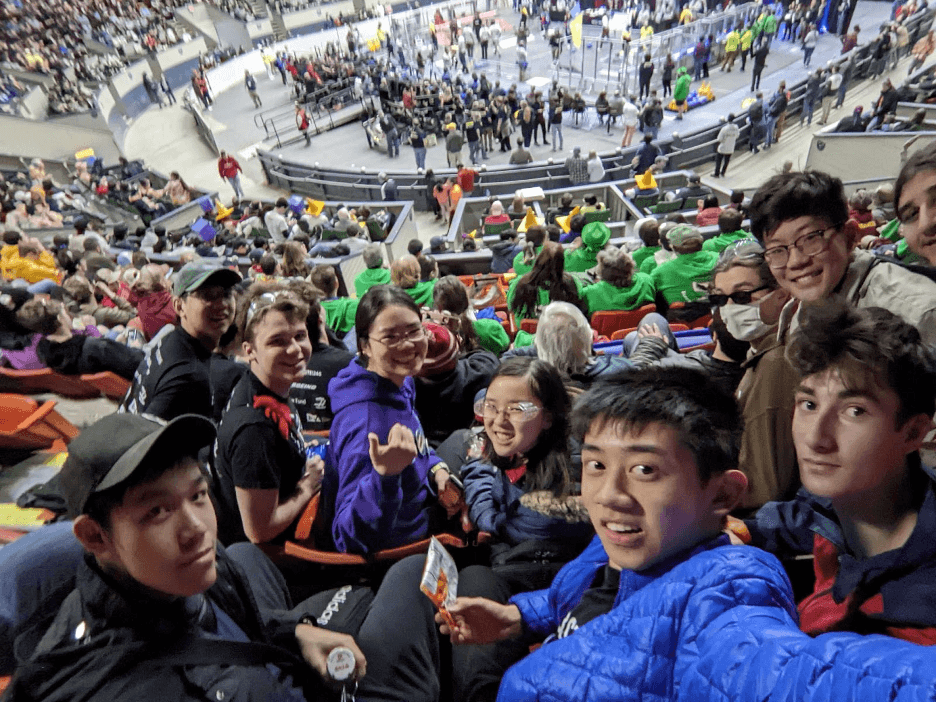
x=682, y=70
x=357, y=385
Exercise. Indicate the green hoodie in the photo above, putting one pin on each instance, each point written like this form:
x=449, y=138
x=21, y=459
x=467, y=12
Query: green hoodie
x=603, y=296
x=339, y=313
x=422, y=292
x=594, y=237
x=674, y=279
x=681, y=91
x=520, y=268
x=369, y=278
x=723, y=241
x=643, y=253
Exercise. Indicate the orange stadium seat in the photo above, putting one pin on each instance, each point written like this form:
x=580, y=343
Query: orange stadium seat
x=24, y=424
x=608, y=322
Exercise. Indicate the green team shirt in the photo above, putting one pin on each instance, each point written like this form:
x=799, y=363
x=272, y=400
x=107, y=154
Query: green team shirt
x=580, y=260
x=521, y=268
x=674, y=279
x=422, y=292
x=642, y=254
x=542, y=298
x=603, y=296
x=723, y=241
x=890, y=231
x=339, y=313
x=369, y=278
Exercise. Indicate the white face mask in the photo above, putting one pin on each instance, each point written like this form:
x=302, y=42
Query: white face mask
x=744, y=322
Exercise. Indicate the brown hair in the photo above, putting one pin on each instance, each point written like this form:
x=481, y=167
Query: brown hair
x=286, y=301
x=404, y=272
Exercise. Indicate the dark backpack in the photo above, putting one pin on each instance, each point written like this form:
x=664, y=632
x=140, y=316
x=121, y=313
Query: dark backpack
x=756, y=111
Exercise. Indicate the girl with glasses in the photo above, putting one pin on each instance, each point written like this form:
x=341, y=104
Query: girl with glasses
x=519, y=487
x=386, y=476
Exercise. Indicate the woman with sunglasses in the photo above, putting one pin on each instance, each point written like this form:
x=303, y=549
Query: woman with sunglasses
x=749, y=301
x=386, y=475
x=264, y=480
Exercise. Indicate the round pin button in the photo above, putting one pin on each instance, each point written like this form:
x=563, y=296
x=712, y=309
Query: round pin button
x=340, y=663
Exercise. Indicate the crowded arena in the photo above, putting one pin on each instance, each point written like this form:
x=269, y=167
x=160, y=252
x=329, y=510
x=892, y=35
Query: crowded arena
x=467, y=351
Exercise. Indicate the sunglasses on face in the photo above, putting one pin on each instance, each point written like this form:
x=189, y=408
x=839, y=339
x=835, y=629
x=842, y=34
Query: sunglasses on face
x=741, y=297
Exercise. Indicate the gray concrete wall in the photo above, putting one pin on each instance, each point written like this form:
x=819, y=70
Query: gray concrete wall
x=855, y=157
x=23, y=137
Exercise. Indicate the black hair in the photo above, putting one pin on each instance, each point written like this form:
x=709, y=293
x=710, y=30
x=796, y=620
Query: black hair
x=921, y=161
x=706, y=418
x=100, y=505
x=788, y=196
x=730, y=220
x=867, y=346
x=548, y=273
x=548, y=462
x=375, y=301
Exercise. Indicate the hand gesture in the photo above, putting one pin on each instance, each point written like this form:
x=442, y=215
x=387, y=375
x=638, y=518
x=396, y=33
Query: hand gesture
x=316, y=643
x=481, y=621
x=394, y=456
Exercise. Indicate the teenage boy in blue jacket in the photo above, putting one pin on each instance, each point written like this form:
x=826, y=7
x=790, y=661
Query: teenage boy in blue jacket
x=863, y=407
x=659, y=604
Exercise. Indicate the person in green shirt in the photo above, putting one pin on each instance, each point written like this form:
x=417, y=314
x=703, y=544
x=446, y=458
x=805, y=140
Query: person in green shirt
x=375, y=274
x=594, y=238
x=406, y=273
x=339, y=311
x=621, y=287
x=533, y=240
x=729, y=231
x=648, y=229
x=675, y=280
x=546, y=282
x=681, y=90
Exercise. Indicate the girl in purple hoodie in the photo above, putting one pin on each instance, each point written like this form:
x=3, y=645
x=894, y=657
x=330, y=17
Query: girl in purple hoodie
x=385, y=476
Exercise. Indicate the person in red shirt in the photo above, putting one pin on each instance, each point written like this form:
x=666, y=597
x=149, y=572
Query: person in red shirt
x=230, y=169
x=302, y=123
x=466, y=178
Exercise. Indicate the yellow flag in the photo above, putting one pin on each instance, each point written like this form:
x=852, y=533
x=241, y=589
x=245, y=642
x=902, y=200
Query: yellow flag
x=575, y=26
x=528, y=221
x=314, y=207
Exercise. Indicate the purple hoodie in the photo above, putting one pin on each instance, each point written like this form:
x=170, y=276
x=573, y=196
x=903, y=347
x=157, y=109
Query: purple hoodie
x=372, y=512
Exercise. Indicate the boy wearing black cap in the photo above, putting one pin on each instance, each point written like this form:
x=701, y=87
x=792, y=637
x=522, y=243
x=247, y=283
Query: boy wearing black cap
x=160, y=611
x=173, y=377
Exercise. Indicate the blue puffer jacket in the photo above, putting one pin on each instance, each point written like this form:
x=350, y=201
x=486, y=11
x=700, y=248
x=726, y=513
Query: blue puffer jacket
x=716, y=624
x=494, y=506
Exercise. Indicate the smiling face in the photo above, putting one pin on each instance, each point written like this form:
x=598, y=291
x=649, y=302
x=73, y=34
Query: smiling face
x=810, y=278
x=643, y=493
x=847, y=440
x=390, y=355
x=163, y=534
x=917, y=213
x=206, y=313
x=279, y=351
x=513, y=436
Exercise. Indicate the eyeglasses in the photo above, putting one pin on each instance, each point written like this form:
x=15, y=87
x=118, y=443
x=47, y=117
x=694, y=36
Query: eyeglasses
x=515, y=411
x=741, y=297
x=392, y=341
x=811, y=244
x=265, y=300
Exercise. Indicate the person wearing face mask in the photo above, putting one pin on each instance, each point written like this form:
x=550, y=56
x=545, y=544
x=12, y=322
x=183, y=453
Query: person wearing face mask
x=749, y=302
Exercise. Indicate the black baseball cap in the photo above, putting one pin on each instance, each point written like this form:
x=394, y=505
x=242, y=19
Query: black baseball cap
x=109, y=451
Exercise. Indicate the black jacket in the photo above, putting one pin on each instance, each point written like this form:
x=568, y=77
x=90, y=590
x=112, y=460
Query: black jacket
x=99, y=644
x=88, y=354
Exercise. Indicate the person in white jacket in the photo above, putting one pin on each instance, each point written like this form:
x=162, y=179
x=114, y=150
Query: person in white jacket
x=727, y=138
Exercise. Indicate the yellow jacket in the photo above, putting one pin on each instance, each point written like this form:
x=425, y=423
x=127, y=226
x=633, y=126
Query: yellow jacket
x=15, y=266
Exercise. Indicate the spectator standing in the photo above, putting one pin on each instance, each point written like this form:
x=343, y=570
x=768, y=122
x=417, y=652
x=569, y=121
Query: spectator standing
x=829, y=90
x=152, y=90
x=645, y=74
x=809, y=44
x=388, y=188
x=230, y=170
x=732, y=44
x=454, y=142
x=200, y=85
x=760, y=62
x=555, y=123
x=630, y=118
x=727, y=140
x=275, y=221
x=418, y=142
x=596, y=171
x=667, y=77
x=681, y=91
x=814, y=86
x=652, y=117
x=776, y=115
x=577, y=167
x=251, y=84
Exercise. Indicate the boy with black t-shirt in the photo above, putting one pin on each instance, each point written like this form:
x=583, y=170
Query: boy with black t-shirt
x=173, y=377
x=660, y=604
